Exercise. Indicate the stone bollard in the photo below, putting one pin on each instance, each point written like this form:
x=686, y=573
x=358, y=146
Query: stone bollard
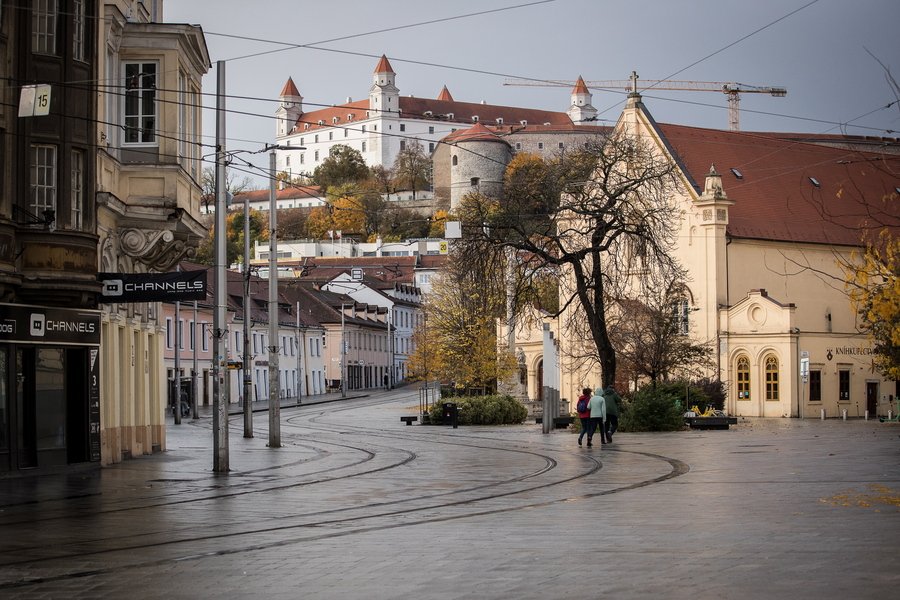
x=844, y=413
x=823, y=414
x=867, y=415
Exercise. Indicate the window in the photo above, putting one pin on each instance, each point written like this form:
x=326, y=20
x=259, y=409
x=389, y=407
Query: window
x=815, y=386
x=140, y=103
x=771, y=378
x=431, y=147
x=43, y=26
x=346, y=132
x=168, y=332
x=540, y=145
x=680, y=312
x=181, y=334
x=474, y=181
x=43, y=179
x=78, y=33
x=402, y=144
x=363, y=146
x=844, y=385
x=454, y=160
x=77, y=189
x=475, y=118
x=301, y=141
x=743, y=378
x=316, y=140
x=561, y=146
x=431, y=129
x=316, y=156
x=330, y=135
x=302, y=159
x=192, y=335
x=402, y=126
x=363, y=128
x=518, y=145
x=204, y=341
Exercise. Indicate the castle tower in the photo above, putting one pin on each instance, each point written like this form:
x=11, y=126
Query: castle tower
x=478, y=160
x=289, y=109
x=384, y=96
x=581, y=112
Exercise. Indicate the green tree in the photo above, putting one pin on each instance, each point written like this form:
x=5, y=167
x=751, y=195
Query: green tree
x=344, y=165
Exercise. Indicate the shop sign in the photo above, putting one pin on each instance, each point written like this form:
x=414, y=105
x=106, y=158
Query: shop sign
x=49, y=325
x=179, y=286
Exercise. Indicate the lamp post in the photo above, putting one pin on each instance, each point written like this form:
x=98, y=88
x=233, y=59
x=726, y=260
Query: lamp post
x=274, y=385
x=220, y=408
x=246, y=370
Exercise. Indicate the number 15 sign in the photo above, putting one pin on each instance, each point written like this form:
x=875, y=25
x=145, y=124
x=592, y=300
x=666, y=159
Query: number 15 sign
x=34, y=101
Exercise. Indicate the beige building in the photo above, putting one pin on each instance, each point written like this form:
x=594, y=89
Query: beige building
x=766, y=222
x=148, y=200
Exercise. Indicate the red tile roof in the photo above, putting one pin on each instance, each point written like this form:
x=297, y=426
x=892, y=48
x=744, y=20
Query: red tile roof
x=476, y=133
x=289, y=88
x=288, y=193
x=775, y=196
x=580, y=87
x=445, y=95
x=383, y=65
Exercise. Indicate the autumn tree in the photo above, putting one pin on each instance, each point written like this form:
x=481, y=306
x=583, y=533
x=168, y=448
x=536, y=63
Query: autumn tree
x=457, y=341
x=343, y=165
x=233, y=185
x=598, y=217
x=234, y=240
x=873, y=282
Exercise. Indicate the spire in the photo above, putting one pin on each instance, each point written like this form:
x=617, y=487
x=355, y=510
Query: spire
x=580, y=87
x=445, y=95
x=384, y=66
x=289, y=89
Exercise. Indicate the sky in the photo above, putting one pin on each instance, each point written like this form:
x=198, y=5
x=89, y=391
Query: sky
x=826, y=54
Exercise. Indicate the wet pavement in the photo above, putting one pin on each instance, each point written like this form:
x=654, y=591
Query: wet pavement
x=355, y=504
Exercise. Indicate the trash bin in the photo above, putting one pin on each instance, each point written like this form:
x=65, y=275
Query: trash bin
x=450, y=414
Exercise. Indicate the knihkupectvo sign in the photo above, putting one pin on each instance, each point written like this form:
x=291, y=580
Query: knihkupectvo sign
x=49, y=325
x=178, y=286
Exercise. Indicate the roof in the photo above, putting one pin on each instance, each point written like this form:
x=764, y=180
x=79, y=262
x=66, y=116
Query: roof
x=580, y=87
x=289, y=192
x=289, y=88
x=786, y=190
x=380, y=272
x=445, y=95
x=476, y=133
x=383, y=65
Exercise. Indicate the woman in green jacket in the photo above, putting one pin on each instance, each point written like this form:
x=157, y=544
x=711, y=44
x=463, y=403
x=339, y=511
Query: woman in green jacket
x=597, y=406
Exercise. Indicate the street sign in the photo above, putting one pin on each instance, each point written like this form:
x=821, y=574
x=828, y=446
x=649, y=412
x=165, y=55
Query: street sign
x=804, y=367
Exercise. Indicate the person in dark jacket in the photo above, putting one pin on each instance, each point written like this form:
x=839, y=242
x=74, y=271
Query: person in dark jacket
x=612, y=411
x=584, y=415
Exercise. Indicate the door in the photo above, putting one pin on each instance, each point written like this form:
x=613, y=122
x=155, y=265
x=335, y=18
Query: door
x=872, y=398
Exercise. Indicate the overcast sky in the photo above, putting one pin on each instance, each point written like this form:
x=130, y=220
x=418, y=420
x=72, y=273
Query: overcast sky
x=818, y=53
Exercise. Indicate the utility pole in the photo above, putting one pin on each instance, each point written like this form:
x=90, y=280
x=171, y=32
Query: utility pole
x=194, y=394
x=220, y=402
x=246, y=370
x=300, y=345
x=274, y=386
x=343, y=356
x=176, y=401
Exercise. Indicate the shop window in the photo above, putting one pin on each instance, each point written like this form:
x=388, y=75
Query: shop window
x=815, y=386
x=743, y=378
x=771, y=378
x=844, y=385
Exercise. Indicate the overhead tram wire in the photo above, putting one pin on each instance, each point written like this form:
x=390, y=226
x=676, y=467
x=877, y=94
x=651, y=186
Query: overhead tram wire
x=312, y=45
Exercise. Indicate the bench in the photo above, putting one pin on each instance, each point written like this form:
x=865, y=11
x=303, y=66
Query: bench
x=409, y=420
x=710, y=422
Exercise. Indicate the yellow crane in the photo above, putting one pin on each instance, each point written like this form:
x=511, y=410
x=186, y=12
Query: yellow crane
x=732, y=90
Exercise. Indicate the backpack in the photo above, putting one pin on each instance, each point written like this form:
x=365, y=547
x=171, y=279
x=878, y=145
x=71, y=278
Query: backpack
x=582, y=405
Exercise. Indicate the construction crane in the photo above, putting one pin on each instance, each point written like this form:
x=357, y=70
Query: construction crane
x=731, y=89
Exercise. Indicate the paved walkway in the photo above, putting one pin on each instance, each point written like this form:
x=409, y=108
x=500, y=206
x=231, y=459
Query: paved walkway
x=357, y=505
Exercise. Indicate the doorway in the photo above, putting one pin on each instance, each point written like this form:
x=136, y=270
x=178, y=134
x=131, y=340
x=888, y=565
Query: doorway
x=872, y=398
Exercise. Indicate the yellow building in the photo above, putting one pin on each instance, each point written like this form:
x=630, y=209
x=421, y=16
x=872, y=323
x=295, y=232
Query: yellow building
x=766, y=220
x=148, y=201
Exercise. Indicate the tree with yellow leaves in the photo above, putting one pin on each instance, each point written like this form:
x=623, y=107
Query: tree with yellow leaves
x=873, y=282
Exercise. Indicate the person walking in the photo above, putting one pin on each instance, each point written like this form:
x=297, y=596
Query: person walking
x=584, y=412
x=612, y=412
x=597, y=407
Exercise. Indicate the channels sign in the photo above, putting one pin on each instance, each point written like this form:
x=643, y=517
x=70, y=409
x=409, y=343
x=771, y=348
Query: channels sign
x=49, y=325
x=180, y=286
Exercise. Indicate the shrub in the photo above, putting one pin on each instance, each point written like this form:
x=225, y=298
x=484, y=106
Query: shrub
x=483, y=410
x=654, y=409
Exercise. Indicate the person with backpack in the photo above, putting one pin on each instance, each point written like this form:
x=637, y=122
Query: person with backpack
x=584, y=413
x=597, y=406
x=612, y=412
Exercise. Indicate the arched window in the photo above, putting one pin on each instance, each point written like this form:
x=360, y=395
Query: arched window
x=454, y=160
x=771, y=377
x=743, y=378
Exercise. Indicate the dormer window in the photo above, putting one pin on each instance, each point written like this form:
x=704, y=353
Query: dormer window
x=523, y=122
x=737, y=173
x=474, y=118
x=306, y=126
x=499, y=120
x=321, y=121
x=350, y=117
x=428, y=113
x=450, y=116
x=334, y=120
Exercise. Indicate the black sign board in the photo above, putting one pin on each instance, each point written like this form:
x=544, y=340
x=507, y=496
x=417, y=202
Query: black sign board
x=94, y=404
x=179, y=286
x=49, y=325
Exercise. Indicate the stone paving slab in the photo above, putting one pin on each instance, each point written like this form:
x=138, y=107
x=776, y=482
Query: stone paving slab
x=358, y=505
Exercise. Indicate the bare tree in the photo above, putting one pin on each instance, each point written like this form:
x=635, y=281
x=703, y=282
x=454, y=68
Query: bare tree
x=604, y=222
x=412, y=168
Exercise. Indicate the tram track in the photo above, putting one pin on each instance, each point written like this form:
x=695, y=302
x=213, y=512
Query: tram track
x=424, y=508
